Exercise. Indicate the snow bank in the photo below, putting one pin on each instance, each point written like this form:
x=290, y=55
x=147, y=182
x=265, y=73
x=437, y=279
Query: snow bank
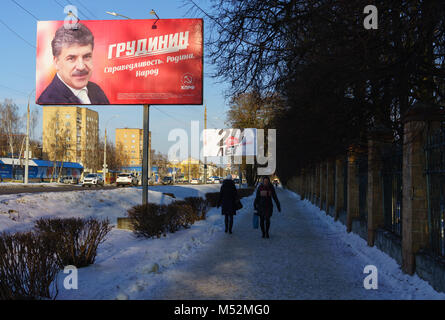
x=18, y=212
x=408, y=287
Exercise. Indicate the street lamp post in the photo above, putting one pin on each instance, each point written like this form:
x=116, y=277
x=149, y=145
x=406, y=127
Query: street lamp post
x=27, y=142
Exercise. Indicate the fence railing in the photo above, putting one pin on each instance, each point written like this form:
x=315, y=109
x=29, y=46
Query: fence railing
x=435, y=174
x=362, y=171
x=392, y=189
x=345, y=183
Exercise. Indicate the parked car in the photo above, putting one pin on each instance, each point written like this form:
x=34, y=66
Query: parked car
x=69, y=180
x=181, y=180
x=195, y=181
x=126, y=179
x=213, y=179
x=93, y=179
x=236, y=180
x=167, y=180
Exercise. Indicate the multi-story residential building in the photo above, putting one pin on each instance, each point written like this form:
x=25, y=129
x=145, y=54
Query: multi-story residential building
x=130, y=142
x=71, y=134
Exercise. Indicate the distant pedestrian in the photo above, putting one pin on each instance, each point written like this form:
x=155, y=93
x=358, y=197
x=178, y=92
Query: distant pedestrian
x=228, y=201
x=263, y=203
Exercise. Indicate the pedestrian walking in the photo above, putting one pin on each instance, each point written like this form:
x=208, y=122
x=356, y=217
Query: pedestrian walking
x=229, y=202
x=263, y=203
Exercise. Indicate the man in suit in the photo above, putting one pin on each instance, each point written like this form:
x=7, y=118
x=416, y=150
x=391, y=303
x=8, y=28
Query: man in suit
x=73, y=58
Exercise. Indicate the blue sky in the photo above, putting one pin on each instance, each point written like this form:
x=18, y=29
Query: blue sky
x=17, y=64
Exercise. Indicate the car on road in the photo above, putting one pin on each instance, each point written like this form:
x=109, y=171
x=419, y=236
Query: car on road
x=167, y=180
x=236, y=180
x=126, y=179
x=195, y=181
x=93, y=179
x=69, y=180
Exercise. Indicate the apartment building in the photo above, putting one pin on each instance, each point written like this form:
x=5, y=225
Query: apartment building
x=130, y=142
x=71, y=134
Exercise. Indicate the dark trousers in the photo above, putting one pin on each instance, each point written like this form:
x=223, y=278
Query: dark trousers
x=265, y=228
x=228, y=220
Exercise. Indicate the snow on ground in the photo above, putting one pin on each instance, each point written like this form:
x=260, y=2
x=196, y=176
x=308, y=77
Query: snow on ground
x=309, y=256
x=32, y=184
x=18, y=212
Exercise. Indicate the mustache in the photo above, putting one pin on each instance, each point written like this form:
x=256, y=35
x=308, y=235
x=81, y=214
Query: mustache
x=79, y=73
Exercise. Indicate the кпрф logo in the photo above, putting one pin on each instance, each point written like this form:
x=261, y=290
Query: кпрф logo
x=187, y=82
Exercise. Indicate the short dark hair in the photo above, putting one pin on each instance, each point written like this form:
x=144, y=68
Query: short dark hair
x=80, y=35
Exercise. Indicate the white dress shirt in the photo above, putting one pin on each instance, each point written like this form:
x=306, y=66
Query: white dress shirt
x=82, y=94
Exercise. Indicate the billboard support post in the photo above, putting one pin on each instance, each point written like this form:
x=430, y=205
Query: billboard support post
x=145, y=154
x=205, y=158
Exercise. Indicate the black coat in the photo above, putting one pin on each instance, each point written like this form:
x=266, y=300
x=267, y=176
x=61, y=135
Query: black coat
x=58, y=93
x=228, y=196
x=263, y=204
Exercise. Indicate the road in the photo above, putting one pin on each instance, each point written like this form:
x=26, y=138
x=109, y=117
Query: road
x=11, y=189
x=37, y=188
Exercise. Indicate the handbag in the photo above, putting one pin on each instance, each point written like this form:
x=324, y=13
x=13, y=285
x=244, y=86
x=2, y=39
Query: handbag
x=255, y=220
x=238, y=205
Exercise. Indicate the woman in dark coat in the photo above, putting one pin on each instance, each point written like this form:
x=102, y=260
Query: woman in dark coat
x=263, y=204
x=228, y=197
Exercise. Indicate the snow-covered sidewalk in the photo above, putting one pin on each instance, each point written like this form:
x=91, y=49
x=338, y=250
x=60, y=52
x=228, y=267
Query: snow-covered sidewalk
x=309, y=256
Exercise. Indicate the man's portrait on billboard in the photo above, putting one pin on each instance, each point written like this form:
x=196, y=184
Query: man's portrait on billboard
x=72, y=50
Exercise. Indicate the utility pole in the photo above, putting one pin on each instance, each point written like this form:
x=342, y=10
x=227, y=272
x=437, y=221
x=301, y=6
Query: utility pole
x=205, y=158
x=105, y=157
x=189, y=168
x=27, y=147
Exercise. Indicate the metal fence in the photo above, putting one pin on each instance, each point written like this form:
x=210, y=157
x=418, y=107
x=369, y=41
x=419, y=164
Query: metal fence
x=392, y=188
x=435, y=174
x=362, y=176
x=345, y=183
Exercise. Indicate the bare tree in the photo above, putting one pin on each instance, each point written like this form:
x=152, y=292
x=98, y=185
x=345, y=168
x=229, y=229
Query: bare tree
x=58, y=140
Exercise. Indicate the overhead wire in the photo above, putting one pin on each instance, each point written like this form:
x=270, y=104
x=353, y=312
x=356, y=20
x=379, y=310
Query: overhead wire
x=17, y=35
x=26, y=10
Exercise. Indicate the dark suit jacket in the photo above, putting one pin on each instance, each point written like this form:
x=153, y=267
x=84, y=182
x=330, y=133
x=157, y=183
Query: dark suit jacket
x=57, y=92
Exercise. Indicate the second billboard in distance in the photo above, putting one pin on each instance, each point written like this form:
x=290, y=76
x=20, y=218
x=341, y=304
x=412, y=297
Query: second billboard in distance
x=120, y=62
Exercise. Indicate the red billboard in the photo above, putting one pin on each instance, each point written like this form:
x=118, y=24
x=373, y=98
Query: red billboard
x=117, y=62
